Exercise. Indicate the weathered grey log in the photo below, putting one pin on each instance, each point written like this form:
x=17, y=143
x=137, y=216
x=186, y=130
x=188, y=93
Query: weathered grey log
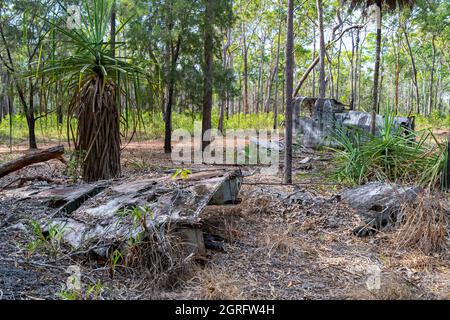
x=32, y=158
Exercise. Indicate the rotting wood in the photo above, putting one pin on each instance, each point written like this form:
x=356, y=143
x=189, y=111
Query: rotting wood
x=32, y=158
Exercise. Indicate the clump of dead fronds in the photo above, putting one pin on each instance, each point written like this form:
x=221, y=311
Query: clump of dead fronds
x=424, y=223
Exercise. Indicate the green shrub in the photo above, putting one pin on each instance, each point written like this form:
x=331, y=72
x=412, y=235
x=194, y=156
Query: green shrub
x=392, y=156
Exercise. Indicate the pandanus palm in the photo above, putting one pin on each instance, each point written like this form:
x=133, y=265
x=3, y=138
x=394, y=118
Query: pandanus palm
x=391, y=5
x=95, y=76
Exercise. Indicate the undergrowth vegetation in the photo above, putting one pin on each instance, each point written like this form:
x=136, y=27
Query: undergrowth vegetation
x=147, y=125
x=393, y=155
x=435, y=120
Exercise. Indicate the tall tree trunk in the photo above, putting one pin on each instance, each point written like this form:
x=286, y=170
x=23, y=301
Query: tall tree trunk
x=352, y=74
x=112, y=33
x=269, y=90
x=287, y=177
x=377, y=68
x=224, y=91
x=277, y=65
x=245, y=53
x=31, y=120
x=448, y=160
x=430, y=98
x=208, y=76
x=356, y=73
x=397, y=77
x=338, y=76
x=260, y=90
x=414, y=69
x=168, y=118
x=314, y=58
x=322, y=84
x=168, y=100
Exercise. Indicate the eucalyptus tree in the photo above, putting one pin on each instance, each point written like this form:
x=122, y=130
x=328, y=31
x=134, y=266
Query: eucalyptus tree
x=378, y=4
x=322, y=50
x=22, y=32
x=287, y=176
x=217, y=13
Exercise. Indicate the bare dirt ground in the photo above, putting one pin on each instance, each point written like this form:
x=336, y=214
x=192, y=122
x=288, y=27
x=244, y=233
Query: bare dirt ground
x=269, y=249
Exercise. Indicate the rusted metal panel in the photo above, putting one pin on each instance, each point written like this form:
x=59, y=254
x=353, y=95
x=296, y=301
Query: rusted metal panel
x=316, y=120
x=106, y=213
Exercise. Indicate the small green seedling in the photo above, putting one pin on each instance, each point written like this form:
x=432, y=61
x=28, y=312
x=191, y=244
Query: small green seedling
x=183, y=173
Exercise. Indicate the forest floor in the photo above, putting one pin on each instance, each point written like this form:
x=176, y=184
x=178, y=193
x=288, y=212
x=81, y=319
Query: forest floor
x=272, y=249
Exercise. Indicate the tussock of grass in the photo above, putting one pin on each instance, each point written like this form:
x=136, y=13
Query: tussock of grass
x=425, y=223
x=391, y=156
x=215, y=284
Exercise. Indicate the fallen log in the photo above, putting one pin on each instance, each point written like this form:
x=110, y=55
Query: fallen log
x=32, y=158
x=23, y=180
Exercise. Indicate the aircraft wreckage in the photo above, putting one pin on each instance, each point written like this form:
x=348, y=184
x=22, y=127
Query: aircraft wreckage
x=316, y=120
x=99, y=216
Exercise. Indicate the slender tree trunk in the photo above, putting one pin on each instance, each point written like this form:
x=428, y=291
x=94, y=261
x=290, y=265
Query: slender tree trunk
x=430, y=98
x=287, y=177
x=414, y=69
x=168, y=118
x=314, y=58
x=245, y=53
x=277, y=65
x=352, y=75
x=376, y=69
x=260, y=90
x=224, y=91
x=208, y=77
x=338, y=76
x=356, y=73
x=112, y=33
x=31, y=121
x=397, y=77
x=168, y=100
x=448, y=160
x=322, y=84
x=269, y=90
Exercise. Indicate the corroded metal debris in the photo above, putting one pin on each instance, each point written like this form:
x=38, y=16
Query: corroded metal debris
x=100, y=215
x=378, y=204
x=316, y=119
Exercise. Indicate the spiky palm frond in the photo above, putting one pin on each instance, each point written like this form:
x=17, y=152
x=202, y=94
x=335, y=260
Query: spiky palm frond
x=99, y=81
x=90, y=47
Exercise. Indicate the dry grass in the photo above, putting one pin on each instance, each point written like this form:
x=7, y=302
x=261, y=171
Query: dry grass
x=424, y=223
x=161, y=257
x=216, y=284
x=280, y=239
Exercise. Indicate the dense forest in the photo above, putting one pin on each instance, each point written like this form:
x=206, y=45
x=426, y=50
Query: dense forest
x=166, y=41
x=357, y=92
